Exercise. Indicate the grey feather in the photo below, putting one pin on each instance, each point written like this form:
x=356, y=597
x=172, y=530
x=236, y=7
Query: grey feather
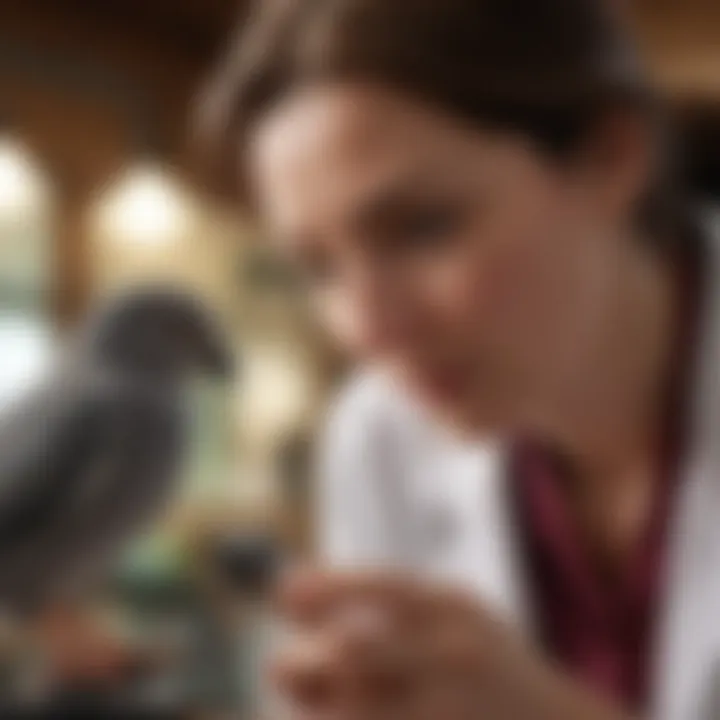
x=91, y=458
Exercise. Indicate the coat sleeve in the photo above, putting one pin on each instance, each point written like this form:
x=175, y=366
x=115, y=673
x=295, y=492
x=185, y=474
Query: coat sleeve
x=359, y=511
x=361, y=518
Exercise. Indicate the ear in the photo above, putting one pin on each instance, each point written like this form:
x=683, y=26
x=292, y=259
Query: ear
x=622, y=157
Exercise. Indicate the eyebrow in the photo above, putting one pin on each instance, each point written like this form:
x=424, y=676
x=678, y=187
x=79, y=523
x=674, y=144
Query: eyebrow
x=394, y=192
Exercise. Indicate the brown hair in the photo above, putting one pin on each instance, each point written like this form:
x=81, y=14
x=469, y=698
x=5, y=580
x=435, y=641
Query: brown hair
x=545, y=68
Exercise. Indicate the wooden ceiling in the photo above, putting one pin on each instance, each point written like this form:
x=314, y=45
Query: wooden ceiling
x=78, y=76
x=192, y=29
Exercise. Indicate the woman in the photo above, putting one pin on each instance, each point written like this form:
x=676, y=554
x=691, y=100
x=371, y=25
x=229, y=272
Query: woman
x=479, y=196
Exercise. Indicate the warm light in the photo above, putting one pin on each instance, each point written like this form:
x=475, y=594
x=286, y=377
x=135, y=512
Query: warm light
x=275, y=391
x=21, y=182
x=146, y=207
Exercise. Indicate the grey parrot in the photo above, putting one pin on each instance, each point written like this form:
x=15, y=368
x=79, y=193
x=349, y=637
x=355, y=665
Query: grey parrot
x=92, y=456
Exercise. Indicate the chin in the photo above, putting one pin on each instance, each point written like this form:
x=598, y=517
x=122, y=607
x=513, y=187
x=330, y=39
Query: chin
x=469, y=424
x=461, y=414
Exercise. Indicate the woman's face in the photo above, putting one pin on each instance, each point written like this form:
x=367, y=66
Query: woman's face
x=463, y=262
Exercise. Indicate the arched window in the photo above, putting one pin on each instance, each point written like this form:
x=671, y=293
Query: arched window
x=25, y=268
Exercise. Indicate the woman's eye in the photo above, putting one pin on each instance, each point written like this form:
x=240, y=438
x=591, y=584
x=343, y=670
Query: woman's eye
x=430, y=227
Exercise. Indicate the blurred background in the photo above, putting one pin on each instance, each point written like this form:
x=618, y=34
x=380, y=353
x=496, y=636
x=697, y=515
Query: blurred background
x=97, y=192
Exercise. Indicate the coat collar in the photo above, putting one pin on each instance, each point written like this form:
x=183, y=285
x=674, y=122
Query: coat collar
x=687, y=654
x=688, y=641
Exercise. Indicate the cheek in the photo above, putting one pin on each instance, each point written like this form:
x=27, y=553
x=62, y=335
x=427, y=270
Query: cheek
x=514, y=288
x=419, y=311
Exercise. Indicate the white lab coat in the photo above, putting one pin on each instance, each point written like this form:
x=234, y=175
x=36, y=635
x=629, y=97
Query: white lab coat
x=396, y=490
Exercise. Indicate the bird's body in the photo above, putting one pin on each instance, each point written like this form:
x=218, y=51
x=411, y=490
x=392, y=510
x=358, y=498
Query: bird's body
x=87, y=461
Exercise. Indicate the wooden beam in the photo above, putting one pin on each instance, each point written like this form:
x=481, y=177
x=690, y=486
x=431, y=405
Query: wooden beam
x=682, y=43
x=145, y=22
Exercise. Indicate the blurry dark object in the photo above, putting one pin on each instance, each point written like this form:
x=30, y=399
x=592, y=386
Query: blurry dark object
x=90, y=458
x=79, y=705
x=248, y=563
x=100, y=703
x=244, y=567
x=203, y=665
x=702, y=147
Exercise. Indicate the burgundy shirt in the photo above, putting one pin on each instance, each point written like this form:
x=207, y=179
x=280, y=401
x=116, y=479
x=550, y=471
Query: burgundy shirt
x=602, y=630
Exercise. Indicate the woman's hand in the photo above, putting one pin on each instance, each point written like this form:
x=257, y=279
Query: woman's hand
x=379, y=646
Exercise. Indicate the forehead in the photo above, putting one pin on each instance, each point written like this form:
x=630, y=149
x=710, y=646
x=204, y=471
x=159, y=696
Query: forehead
x=323, y=150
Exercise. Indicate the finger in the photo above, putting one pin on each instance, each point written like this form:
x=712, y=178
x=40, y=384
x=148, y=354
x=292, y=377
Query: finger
x=308, y=673
x=345, y=660
x=456, y=603
x=382, y=665
x=455, y=650
x=295, y=594
x=310, y=595
x=347, y=665
x=359, y=713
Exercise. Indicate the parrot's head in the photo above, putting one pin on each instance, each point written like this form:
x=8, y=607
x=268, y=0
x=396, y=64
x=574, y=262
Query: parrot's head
x=161, y=333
